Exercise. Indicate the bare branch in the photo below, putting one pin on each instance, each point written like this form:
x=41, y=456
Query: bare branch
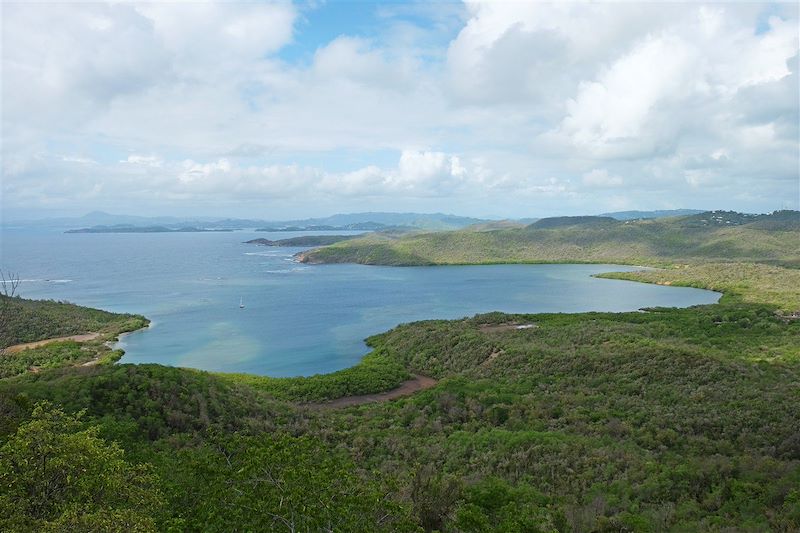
x=9, y=282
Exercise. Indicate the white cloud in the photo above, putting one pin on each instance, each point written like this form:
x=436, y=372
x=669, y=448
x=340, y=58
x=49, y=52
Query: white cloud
x=79, y=159
x=599, y=177
x=686, y=100
x=217, y=34
x=147, y=160
x=621, y=114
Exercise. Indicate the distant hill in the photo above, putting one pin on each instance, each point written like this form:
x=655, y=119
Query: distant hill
x=428, y=221
x=308, y=240
x=777, y=221
x=711, y=236
x=121, y=228
x=633, y=215
x=356, y=226
x=564, y=222
x=353, y=221
x=498, y=224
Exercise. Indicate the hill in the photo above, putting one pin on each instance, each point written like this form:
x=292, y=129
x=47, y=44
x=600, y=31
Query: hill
x=122, y=228
x=712, y=236
x=566, y=222
x=633, y=215
x=429, y=221
x=307, y=240
x=23, y=320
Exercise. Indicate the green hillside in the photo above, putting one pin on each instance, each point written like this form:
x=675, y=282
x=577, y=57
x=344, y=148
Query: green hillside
x=714, y=236
x=24, y=320
x=664, y=420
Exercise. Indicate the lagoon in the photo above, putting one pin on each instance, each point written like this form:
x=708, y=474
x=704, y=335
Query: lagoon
x=298, y=319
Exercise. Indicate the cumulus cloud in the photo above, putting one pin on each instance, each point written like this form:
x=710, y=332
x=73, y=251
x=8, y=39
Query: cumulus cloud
x=147, y=160
x=501, y=104
x=599, y=177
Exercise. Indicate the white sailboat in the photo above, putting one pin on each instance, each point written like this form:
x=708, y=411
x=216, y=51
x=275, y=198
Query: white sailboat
x=241, y=303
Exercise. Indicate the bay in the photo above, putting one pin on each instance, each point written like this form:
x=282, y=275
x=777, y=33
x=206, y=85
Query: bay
x=297, y=319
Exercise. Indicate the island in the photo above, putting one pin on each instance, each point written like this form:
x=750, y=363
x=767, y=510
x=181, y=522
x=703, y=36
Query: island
x=122, y=228
x=306, y=240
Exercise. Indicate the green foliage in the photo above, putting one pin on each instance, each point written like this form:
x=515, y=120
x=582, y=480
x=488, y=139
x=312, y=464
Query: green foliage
x=768, y=238
x=747, y=282
x=57, y=475
x=374, y=373
x=306, y=240
x=24, y=320
x=50, y=356
x=159, y=401
x=492, y=504
x=277, y=483
x=679, y=419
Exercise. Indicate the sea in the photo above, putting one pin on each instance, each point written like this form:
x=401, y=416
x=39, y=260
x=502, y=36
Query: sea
x=297, y=319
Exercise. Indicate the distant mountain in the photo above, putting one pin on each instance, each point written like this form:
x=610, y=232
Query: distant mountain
x=499, y=224
x=563, y=222
x=122, y=228
x=355, y=221
x=101, y=218
x=633, y=215
x=356, y=226
x=427, y=221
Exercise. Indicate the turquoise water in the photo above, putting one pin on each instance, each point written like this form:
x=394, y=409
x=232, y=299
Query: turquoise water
x=298, y=319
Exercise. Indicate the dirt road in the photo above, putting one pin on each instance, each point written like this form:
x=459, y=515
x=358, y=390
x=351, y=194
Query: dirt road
x=417, y=383
x=78, y=338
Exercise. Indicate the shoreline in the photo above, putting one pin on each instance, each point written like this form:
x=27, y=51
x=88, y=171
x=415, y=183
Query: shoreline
x=407, y=387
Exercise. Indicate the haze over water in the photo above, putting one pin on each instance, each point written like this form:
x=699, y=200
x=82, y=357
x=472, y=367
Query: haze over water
x=298, y=319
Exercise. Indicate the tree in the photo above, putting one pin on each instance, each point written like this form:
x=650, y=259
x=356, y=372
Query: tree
x=57, y=475
x=9, y=282
x=279, y=483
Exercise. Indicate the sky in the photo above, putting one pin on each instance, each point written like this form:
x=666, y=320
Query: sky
x=488, y=109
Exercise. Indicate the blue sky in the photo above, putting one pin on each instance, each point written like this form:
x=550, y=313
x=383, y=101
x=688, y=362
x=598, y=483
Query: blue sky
x=503, y=109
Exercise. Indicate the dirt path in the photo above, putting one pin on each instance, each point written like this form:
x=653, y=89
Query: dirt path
x=79, y=338
x=417, y=383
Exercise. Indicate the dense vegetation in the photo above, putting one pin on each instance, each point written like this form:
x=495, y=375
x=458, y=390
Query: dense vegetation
x=713, y=236
x=740, y=282
x=24, y=320
x=56, y=355
x=374, y=373
x=58, y=475
x=661, y=420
